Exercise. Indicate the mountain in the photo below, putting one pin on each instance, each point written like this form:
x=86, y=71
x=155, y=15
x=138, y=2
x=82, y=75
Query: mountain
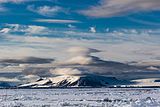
x=75, y=81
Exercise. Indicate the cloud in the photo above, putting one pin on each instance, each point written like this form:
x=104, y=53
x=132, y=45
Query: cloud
x=119, y=35
x=95, y=65
x=12, y=1
x=91, y=64
x=27, y=78
x=46, y=10
x=39, y=71
x=28, y=60
x=25, y=29
x=80, y=55
x=144, y=22
x=118, y=45
x=93, y=29
x=36, y=39
x=5, y=30
x=76, y=67
x=71, y=26
x=56, y=21
x=16, y=1
x=4, y=79
x=65, y=71
x=3, y=9
x=82, y=60
x=79, y=64
x=36, y=29
x=81, y=50
x=112, y=8
x=77, y=51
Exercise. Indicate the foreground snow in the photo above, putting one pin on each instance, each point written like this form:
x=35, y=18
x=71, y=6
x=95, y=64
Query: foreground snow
x=90, y=97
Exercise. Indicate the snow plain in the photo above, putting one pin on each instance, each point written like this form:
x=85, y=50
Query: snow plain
x=81, y=97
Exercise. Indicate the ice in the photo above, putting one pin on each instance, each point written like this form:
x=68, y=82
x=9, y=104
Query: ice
x=80, y=97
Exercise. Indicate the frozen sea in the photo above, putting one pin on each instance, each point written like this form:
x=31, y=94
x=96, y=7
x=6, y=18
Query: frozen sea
x=81, y=97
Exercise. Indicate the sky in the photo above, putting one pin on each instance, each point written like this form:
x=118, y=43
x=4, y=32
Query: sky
x=43, y=34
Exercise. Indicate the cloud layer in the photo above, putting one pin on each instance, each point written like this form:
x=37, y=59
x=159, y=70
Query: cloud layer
x=75, y=52
x=27, y=60
x=31, y=40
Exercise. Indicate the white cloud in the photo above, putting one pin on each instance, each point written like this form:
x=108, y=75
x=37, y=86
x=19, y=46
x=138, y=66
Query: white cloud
x=45, y=10
x=111, y=8
x=82, y=60
x=65, y=71
x=71, y=26
x=93, y=29
x=27, y=29
x=81, y=56
x=36, y=29
x=5, y=30
x=57, y=21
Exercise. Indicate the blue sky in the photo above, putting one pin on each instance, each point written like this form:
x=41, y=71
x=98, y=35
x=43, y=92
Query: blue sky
x=26, y=12
x=68, y=31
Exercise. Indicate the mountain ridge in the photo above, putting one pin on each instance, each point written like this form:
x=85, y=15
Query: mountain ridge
x=75, y=81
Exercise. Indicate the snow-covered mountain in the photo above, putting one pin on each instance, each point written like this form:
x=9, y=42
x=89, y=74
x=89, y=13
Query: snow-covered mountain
x=75, y=81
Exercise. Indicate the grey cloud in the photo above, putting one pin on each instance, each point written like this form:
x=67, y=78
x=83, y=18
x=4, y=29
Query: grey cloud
x=96, y=66
x=39, y=71
x=112, y=8
x=28, y=60
x=28, y=78
x=99, y=66
x=83, y=61
x=9, y=74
